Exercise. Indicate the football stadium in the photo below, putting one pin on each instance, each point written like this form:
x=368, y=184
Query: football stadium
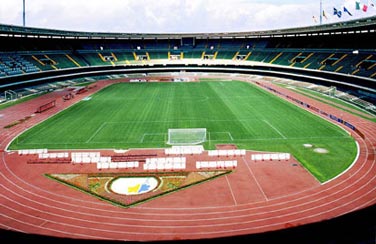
x=187, y=136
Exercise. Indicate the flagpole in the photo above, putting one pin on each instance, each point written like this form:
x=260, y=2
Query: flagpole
x=23, y=13
x=320, y=12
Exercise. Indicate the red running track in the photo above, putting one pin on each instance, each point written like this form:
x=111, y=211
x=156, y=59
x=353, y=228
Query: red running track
x=31, y=203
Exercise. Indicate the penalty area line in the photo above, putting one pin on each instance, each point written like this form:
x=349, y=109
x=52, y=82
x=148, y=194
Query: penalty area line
x=275, y=129
x=221, y=132
x=151, y=134
x=96, y=132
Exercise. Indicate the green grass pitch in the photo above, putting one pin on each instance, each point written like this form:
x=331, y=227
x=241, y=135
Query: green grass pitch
x=138, y=115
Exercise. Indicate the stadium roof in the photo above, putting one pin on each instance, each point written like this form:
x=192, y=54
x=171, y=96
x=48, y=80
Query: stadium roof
x=354, y=26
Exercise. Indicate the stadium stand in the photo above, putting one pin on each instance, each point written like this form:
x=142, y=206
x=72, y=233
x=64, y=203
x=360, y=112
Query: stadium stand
x=31, y=56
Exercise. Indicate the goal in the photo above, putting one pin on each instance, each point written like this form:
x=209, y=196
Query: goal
x=191, y=136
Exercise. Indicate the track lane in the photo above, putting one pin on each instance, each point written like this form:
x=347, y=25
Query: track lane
x=351, y=191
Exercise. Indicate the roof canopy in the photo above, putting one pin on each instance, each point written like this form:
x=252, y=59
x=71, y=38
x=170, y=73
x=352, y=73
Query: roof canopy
x=355, y=26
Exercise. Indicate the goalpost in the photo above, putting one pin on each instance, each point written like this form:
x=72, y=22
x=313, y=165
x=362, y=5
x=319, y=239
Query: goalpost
x=191, y=136
x=10, y=95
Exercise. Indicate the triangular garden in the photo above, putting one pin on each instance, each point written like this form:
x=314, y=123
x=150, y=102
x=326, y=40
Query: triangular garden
x=129, y=189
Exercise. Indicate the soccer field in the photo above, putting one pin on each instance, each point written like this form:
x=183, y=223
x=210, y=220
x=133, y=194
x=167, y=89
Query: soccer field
x=138, y=115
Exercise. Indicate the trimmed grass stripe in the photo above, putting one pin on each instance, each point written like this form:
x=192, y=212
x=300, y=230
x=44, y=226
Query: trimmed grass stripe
x=138, y=115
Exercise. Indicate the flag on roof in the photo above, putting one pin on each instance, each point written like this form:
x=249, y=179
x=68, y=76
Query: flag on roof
x=337, y=12
x=346, y=11
x=357, y=5
x=324, y=15
x=365, y=7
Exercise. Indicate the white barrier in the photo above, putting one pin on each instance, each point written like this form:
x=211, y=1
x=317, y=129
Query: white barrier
x=85, y=157
x=53, y=155
x=32, y=151
x=270, y=156
x=117, y=165
x=216, y=164
x=231, y=152
x=170, y=163
x=180, y=150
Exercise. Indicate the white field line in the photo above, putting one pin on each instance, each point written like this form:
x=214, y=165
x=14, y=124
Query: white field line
x=229, y=134
x=222, y=132
x=240, y=140
x=275, y=129
x=181, y=120
x=96, y=132
x=150, y=134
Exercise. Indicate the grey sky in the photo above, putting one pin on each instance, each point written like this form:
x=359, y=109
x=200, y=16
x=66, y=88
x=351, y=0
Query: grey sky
x=176, y=16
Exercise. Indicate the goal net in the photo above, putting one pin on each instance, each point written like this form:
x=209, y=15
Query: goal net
x=186, y=136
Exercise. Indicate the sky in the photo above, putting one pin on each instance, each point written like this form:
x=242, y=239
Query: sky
x=178, y=16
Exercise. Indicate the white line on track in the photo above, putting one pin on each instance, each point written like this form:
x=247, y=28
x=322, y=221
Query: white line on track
x=257, y=183
x=232, y=193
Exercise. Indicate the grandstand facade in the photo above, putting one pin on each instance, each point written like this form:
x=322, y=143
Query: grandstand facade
x=319, y=54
